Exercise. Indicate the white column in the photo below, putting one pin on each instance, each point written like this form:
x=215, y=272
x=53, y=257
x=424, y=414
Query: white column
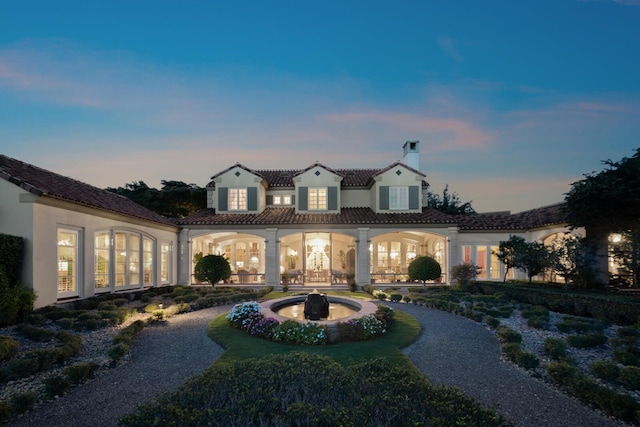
x=184, y=257
x=454, y=252
x=363, y=259
x=272, y=258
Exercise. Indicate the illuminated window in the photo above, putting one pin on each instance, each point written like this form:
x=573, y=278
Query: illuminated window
x=237, y=199
x=277, y=200
x=398, y=197
x=286, y=200
x=466, y=254
x=67, y=263
x=317, y=198
x=482, y=262
x=102, y=260
x=147, y=261
x=494, y=272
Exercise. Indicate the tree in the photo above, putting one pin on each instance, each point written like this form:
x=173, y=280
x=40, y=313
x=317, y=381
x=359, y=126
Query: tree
x=609, y=199
x=176, y=199
x=212, y=269
x=604, y=203
x=424, y=268
x=510, y=253
x=534, y=259
x=626, y=252
x=572, y=258
x=449, y=203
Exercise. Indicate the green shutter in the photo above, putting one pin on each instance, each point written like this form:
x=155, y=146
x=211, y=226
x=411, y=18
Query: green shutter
x=293, y=200
x=223, y=198
x=252, y=198
x=414, y=198
x=384, y=197
x=303, y=198
x=332, y=194
x=269, y=200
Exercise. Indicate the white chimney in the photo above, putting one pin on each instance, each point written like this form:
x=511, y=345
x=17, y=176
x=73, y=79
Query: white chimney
x=411, y=154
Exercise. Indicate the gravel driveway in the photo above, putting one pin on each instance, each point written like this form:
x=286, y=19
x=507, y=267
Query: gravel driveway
x=452, y=350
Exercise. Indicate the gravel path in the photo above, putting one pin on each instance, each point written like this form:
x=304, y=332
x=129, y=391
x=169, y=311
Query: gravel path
x=452, y=350
x=458, y=352
x=162, y=357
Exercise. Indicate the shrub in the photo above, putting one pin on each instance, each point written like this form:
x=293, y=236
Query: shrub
x=292, y=332
x=586, y=341
x=527, y=360
x=65, y=322
x=56, y=385
x=23, y=402
x=212, y=269
x=35, y=333
x=561, y=372
x=573, y=324
x=406, y=299
x=535, y=311
x=8, y=348
x=424, y=268
x=363, y=328
x=630, y=377
x=464, y=273
x=605, y=370
x=117, y=351
x=492, y=321
x=511, y=350
x=508, y=335
x=80, y=372
x=538, y=322
x=381, y=296
x=240, y=312
x=395, y=297
x=15, y=302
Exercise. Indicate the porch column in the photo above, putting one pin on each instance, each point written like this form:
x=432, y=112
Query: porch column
x=454, y=253
x=272, y=258
x=184, y=257
x=363, y=269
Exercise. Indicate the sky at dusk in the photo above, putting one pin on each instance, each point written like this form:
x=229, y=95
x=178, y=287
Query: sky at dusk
x=511, y=101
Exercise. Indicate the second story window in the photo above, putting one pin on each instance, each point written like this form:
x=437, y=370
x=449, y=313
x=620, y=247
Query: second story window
x=281, y=200
x=317, y=198
x=398, y=197
x=237, y=199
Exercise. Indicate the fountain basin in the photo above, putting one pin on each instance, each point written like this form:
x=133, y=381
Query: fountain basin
x=360, y=308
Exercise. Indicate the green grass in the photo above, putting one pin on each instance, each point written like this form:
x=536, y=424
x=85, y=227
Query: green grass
x=239, y=345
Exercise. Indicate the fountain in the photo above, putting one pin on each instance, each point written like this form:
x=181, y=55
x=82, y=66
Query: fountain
x=311, y=307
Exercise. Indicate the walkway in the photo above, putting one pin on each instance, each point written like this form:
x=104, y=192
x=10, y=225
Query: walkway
x=452, y=350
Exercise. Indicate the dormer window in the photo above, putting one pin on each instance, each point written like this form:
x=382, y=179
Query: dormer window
x=237, y=199
x=399, y=198
x=317, y=198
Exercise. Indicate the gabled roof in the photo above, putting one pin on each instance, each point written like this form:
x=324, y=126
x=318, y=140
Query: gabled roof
x=44, y=183
x=237, y=165
x=279, y=178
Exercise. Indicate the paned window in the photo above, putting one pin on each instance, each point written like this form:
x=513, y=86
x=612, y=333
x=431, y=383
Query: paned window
x=67, y=262
x=317, y=198
x=165, y=262
x=147, y=261
x=237, y=199
x=102, y=260
x=398, y=197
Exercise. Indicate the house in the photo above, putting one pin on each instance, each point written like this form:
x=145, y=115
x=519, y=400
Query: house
x=318, y=225
x=80, y=240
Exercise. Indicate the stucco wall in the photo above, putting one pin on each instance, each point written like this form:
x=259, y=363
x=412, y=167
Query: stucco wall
x=47, y=220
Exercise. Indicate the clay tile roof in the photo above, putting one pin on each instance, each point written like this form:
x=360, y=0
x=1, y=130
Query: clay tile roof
x=42, y=182
x=274, y=216
x=527, y=220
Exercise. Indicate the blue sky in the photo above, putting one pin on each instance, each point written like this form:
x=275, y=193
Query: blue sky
x=512, y=101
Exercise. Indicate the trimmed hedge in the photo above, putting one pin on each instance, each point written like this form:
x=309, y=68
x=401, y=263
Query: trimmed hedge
x=292, y=390
x=599, y=306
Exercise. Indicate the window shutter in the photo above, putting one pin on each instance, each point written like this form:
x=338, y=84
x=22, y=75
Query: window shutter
x=332, y=202
x=384, y=197
x=293, y=199
x=303, y=194
x=269, y=200
x=223, y=198
x=414, y=197
x=252, y=198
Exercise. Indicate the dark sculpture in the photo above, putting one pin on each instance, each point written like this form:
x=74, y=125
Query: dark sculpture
x=316, y=306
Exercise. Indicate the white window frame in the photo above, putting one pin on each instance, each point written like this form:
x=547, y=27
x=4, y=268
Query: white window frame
x=317, y=199
x=237, y=199
x=62, y=264
x=399, y=197
x=166, y=250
